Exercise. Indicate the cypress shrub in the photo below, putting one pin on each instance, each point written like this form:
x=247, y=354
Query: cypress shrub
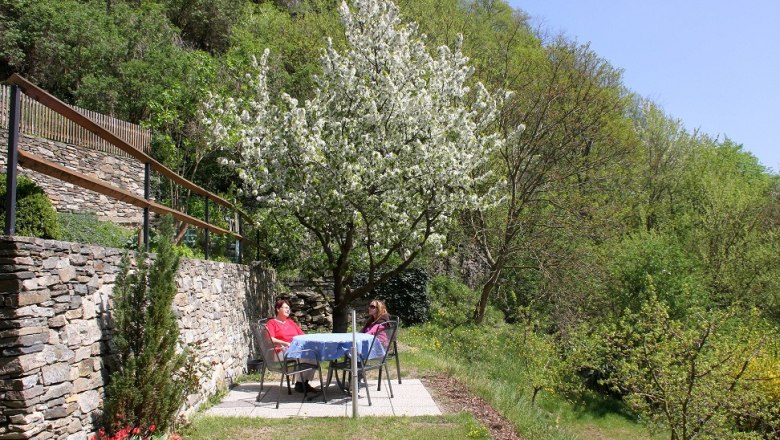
x=151, y=379
x=35, y=215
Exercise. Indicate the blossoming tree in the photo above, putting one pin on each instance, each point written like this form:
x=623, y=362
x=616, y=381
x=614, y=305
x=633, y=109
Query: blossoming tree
x=377, y=161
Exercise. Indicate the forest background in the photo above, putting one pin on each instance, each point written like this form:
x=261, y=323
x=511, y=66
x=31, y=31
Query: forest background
x=625, y=241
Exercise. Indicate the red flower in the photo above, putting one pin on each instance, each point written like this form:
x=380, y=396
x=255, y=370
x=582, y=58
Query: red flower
x=136, y=431
x=151, y=428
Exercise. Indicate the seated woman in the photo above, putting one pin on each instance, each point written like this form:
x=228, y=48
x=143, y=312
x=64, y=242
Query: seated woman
x=377, y=315
x=282, y=329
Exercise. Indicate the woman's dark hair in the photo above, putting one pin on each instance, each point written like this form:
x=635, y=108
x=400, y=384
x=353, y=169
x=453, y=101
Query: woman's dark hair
x=280, y=302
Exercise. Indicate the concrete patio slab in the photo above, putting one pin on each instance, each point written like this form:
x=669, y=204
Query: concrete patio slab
x=410, y=399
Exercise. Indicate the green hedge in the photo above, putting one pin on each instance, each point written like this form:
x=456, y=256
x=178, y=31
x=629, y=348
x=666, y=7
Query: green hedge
x=35, y=215
x=405, y=295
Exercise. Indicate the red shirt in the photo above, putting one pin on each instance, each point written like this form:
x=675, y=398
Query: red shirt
x=283, y=330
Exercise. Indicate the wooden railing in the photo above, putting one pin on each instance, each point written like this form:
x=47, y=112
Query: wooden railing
x=85, y=122
x=40, y=121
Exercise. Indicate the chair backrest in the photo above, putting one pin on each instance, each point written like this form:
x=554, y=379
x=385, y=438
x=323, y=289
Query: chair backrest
x=256, y=348
x=384, y=335
x=267, y=348
x=392, y=345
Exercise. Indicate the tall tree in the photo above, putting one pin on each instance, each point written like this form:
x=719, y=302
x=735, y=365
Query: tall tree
x=571, y=103
x=374, y=165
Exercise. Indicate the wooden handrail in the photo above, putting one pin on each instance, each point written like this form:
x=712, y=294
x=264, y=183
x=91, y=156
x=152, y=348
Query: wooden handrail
x=65, y=110
x=37, y=163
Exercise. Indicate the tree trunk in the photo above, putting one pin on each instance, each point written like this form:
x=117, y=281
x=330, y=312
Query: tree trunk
x=341, y=318
x=487, y=289
x=340, y=304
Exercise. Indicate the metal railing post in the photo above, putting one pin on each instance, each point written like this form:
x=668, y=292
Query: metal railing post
x=355, y=382
x=240, y=243
x=206, y=233
x=147, y=194
x=13, y=161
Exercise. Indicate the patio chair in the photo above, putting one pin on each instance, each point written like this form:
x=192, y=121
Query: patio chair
x=281, y=362
x=258, y=362
x=392, y=353
x=365, y=364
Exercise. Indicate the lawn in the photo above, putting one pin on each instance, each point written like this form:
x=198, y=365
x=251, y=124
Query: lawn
x=453, y=426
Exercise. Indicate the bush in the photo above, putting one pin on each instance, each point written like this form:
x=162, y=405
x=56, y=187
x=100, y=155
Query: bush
x=87, y=229
x=35, y=215
x=405, y=295
x=651, y=256
x=152, y=378
x=453, y=303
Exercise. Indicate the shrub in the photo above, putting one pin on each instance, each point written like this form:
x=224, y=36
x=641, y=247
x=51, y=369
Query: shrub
x=691, y=376
x=645, y=256
x=405, y=295
x=453, y=303
x=86, y=228
x=149, y=384
x=35, y=215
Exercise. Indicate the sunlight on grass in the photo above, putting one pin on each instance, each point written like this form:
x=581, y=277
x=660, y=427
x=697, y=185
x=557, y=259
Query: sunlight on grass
x=458, y=426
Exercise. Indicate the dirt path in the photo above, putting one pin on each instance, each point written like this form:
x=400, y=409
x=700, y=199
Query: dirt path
x=451, y=396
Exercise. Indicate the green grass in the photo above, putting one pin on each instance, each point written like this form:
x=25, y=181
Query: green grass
x=449, y=427
x=495, y=379
x=498, y=380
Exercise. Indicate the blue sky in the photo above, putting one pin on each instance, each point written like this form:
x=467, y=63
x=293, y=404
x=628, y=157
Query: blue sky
x=715, y=64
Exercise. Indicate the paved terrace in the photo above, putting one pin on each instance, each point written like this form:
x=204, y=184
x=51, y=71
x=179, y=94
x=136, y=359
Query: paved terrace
x=410, y=399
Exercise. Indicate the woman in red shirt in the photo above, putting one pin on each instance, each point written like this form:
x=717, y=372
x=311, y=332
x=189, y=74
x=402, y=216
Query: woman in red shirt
x=282, y=329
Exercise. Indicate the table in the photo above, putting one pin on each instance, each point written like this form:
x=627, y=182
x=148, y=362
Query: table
x=333, y=346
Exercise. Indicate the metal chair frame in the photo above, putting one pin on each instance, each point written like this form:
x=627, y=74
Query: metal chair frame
x=365, y=364
x=281, y=362
x=392, y=348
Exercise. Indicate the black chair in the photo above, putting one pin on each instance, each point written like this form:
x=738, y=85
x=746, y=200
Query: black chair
x=392, y=353
x=258, y=363
x=280, y=362
x=384, y=335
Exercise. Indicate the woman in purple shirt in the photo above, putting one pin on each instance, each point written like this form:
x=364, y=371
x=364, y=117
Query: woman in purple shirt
x=377, y=316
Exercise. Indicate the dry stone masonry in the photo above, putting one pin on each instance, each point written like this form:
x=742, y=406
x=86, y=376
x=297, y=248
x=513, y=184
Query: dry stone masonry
x=56, y=328
x=122, y=172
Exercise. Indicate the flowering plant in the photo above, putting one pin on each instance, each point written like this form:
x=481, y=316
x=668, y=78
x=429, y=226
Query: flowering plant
x=378, y=161
x=134, y=433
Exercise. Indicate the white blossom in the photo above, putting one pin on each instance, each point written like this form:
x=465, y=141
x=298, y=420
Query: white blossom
x=391, y=143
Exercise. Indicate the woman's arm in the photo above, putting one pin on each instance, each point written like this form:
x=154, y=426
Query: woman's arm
x=280, y=342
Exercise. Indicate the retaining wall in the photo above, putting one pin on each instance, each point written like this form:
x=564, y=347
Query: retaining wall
x=55, y=304
x=124, y=172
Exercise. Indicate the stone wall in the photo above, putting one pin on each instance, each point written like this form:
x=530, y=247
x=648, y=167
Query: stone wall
x=123, y=172
x=55, y=304
x=310, y=304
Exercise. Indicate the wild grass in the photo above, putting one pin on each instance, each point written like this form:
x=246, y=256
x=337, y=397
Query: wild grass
x=491, y=365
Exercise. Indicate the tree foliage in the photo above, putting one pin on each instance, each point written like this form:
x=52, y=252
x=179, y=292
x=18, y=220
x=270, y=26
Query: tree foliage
x=375, y=164
x=690, y=376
